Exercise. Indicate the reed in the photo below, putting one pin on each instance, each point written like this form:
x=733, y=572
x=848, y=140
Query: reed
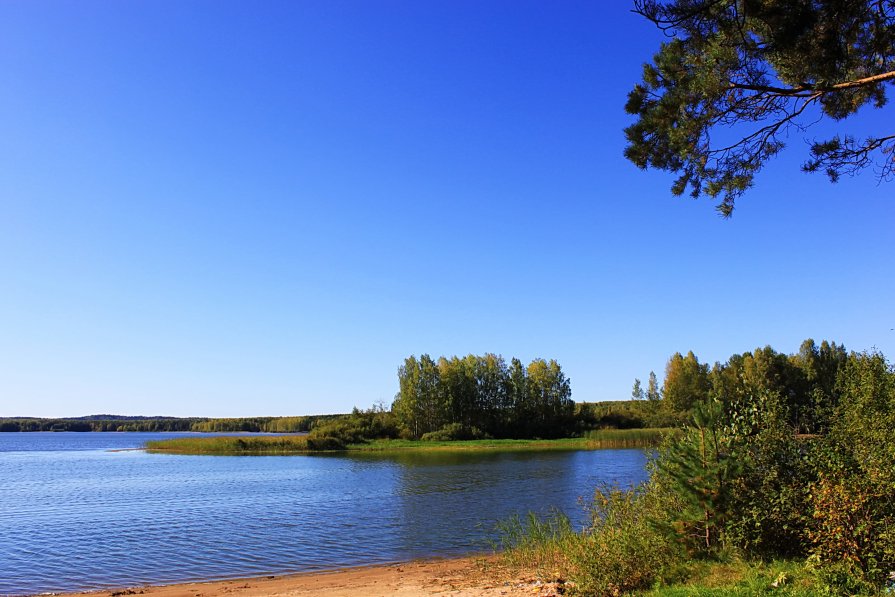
x=627, y=438
x=302, y=444
x=540, y=544
x=278, y=444
x=509, y=445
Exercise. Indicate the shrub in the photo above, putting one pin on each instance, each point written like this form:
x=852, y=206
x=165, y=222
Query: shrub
x=325, y=444
x=453, y=432
x=841, y=578
x=622, y=549
x=358, y=427
x=852, y=500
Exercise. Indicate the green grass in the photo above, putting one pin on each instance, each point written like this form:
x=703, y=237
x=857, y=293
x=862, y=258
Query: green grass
x=549, y=548
x=303, y=444
x=741, y=579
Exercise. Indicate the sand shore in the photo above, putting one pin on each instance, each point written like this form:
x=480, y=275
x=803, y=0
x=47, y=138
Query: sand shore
x=464, y=577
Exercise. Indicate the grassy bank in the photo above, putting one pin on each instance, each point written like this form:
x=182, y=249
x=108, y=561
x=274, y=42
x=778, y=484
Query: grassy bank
x=625, y=552
x=304, y=444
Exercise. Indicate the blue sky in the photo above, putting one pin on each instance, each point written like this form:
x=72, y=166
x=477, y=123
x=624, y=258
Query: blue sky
x=236, y=209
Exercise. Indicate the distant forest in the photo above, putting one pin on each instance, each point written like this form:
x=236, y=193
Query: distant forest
x=133, y=423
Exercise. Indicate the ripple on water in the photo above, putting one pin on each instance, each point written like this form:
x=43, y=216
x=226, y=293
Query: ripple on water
x=77, y=517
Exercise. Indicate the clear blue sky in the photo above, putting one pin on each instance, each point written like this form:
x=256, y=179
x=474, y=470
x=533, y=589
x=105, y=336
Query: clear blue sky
x=232, y=208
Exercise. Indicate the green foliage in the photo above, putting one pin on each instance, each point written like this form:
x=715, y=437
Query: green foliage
x=623, y=414
x=744, y=484
x=820, y=367
x=841, y=579
x=358, y=427
x=804, y=385
x=768, y=506
x=624, y=550
x=686, y=382
x=719, y=99
x=621, y=550
x=653, y=394
x=699, y=469
x=743, y=578
x=454, y=432
x=852, y=498
x=483, y=392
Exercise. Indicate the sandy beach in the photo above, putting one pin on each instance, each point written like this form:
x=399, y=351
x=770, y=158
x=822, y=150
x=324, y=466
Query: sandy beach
x=466, y=577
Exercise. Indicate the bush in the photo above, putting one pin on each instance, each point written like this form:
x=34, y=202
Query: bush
x=453, y=432
x=852, y=500
x=325, y=444
x=358, y=427
x=768, y=507
x=841, y=578
x=622, y=550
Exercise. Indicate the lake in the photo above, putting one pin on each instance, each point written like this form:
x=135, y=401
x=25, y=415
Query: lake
x=75, y=514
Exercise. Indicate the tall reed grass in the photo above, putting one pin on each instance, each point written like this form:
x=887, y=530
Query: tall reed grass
x=298, y=444
x=619, y=551
x=278, y=444
x=627, y=438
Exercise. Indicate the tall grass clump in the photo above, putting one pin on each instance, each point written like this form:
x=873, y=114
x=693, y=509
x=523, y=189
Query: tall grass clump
x=627, y=438
x=621, y=550
x=280, y=444
x=537, y=543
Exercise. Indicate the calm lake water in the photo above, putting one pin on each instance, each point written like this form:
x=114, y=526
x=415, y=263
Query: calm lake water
x=75, y=515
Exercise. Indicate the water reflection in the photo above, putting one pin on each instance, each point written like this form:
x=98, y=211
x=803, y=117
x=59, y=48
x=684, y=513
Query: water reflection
x=452, y=501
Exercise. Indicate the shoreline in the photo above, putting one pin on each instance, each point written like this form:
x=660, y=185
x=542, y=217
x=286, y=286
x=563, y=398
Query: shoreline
x=470, y=576
x=229, y=445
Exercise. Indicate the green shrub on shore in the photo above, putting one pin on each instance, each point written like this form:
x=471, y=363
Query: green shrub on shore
x=359, y=427
x=455, y=432
x=621, y=550
x=740, y=486
x=537, y=543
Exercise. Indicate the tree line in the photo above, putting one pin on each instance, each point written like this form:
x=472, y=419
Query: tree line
x=482, y=395
x=165, y=424
x=806, y=383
